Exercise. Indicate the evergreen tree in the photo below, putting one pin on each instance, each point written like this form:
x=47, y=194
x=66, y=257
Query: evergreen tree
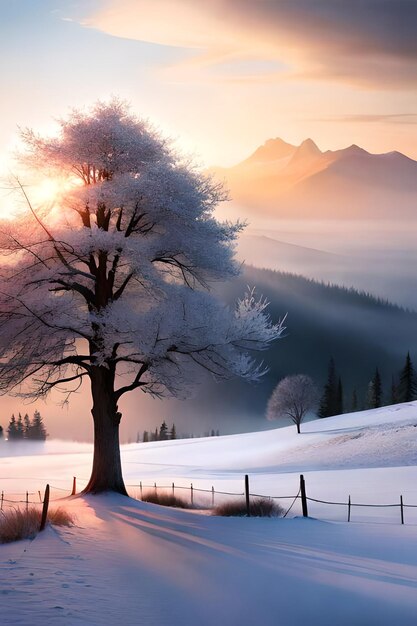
x=217, y=433
x=329, y=403
x=38, y=429
x=12, y=429
x=27, y=427
x=145, y=436
x=173, y=432
x=20, y=429
x=163, y=431
x=1, y=432
x=407, y=388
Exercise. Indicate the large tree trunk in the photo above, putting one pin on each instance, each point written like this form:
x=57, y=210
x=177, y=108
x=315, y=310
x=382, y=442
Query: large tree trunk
x=106, y=474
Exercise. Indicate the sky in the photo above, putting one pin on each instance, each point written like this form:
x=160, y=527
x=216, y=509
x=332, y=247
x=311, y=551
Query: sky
x=219, y=77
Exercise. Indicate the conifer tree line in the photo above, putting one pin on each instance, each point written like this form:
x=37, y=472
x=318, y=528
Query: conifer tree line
x=25, y=428
x=403, y=388
x=163, y=433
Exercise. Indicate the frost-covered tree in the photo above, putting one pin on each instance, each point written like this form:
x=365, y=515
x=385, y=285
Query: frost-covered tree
x=293, y=398
x=111, y=283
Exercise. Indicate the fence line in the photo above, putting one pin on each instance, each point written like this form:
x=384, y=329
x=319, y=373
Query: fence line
x=23, y=497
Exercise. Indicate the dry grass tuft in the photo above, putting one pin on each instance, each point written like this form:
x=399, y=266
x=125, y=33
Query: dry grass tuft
x=16, y=524
x=60, y=517
x=261, y=507
x=165, y=499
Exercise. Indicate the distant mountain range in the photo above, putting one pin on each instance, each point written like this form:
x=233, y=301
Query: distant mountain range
x=286, y=181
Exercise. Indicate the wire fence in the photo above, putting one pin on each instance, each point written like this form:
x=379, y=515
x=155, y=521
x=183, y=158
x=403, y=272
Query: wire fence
x=208, y=498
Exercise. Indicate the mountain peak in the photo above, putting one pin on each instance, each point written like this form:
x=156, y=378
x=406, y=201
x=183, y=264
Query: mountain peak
x=309, y=147
x=272, y=150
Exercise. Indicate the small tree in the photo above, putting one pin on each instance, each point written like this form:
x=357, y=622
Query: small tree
x=173, y=432
x=293, y=397
x=145, y=436
x=1, y=432
x=163, y=432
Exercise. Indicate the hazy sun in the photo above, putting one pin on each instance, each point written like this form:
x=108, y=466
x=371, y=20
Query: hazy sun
x=46, y=191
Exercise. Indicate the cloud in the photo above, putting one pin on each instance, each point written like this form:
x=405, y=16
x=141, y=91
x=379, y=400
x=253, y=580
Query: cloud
x=370, y=42
x=391, y=118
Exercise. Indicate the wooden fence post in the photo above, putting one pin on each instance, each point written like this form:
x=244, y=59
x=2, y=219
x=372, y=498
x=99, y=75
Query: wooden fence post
x=27, y=501
x=212, y=496
x=140, y=487
x=74, y=486
x=2, y=498
x=247, y=495
x=173, y=490
x=40, y=496
x=349, y=504
x=44, y=509
x=192, y=495
x=303, y=496
x=402, y=509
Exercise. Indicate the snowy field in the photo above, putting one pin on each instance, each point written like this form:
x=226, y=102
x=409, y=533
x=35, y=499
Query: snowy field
x=138, y=564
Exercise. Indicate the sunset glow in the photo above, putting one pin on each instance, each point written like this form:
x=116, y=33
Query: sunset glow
x=227, y=77
x=47, y=191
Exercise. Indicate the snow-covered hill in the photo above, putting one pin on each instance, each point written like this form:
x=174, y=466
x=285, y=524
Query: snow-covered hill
x=138, y=564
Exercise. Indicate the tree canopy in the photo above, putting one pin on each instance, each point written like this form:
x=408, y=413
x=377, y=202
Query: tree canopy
x=111, y=282
x=293, y=397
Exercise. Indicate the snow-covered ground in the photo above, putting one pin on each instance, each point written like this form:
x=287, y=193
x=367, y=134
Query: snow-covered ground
x=135, y=563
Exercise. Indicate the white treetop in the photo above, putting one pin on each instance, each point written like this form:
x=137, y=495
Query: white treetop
x=293, y=397
x=116, y=274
